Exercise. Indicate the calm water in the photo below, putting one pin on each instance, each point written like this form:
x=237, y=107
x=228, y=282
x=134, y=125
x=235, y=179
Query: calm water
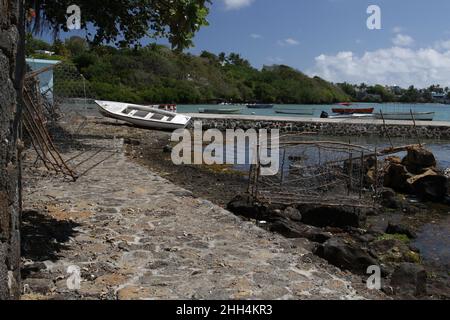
x=442, y=111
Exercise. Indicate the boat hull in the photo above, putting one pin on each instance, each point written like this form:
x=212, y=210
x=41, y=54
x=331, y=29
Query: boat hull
x=105, y=108
x=260, y=106
x=353, y=110
x=220, y=111
x=296, y=112
x=418, y=116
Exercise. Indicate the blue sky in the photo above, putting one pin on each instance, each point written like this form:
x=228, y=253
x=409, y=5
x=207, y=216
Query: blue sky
x=330, y=38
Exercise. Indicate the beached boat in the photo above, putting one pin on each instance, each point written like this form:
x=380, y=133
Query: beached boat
x=221, y=111
x=260, y=106
x=142, y=116
x=352, y=110
x=299, y=111
x=418, y=116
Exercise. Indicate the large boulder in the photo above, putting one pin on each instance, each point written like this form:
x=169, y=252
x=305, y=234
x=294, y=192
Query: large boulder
x=346, y=256
x=332, y=216
x=396, y=177
x=419, y=160
x=429, y=185
x=409, y=279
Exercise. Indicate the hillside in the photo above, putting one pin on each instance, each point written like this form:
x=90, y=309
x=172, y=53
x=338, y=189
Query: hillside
x=155, y=74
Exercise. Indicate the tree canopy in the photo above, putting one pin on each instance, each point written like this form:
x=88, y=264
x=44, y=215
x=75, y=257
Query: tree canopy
x=125, y=22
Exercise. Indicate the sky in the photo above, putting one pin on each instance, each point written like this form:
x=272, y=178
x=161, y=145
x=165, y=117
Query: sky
x=330, y=38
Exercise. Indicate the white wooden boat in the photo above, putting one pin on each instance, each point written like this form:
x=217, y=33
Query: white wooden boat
x=220, y=111
x=325, y=115
x=142, y=116
x=296, y=111
x=418, y=116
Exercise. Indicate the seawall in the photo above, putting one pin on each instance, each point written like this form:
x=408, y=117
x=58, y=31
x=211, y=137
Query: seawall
x=332, y=127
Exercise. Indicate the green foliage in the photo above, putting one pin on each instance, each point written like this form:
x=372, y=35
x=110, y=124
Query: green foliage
x=156, y=74
x=125, y=22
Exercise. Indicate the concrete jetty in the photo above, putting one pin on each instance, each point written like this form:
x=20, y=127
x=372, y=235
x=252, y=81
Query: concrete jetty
x=339, y=127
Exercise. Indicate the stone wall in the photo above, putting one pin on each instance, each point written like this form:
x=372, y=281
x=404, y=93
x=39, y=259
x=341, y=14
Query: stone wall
x=333, y=128
x=11, y=77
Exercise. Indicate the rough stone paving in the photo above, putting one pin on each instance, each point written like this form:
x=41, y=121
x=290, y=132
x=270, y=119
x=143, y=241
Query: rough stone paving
x=134, y=235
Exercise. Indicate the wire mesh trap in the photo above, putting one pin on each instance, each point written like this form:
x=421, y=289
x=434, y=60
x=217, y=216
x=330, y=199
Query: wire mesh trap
x=47, y=110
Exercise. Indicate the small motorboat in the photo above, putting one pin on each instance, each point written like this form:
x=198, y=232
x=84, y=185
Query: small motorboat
x=298, y=111
x=221, y=111
x=142, y=116
x=352, y=110
x=418, y=116
x=260, y=106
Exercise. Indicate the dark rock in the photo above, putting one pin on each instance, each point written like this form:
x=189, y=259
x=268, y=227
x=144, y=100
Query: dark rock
x=346, y=256
x=400, y=229
x=292, y=214
x=409, y=279
x=419, y=160
x=396, y=177
x=341, y=217
x=429, y=186
x=389, y=199
x=132, y=142
x=295, y=230
x=167, y=149
x=242, y=206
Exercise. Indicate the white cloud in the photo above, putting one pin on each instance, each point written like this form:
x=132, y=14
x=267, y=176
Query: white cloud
x=237, y=4
x=390, y=66
x=288, y=42
x=256, y=36
x=397, y=29
x=443, y=45
x=402, y=40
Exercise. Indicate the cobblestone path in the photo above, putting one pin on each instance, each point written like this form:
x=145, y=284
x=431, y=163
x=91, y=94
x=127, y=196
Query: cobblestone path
x=134, y=235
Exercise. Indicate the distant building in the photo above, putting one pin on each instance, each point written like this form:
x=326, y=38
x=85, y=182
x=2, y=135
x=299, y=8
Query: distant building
x=49, y=53
x=440, y=97
x=45, y=78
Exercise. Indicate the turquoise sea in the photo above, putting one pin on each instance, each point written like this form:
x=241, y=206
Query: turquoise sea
x=442, y=111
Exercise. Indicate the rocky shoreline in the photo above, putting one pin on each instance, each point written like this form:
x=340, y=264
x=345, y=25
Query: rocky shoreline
x=135, y=235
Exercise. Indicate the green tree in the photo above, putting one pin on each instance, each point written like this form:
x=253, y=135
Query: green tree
x=125, y=22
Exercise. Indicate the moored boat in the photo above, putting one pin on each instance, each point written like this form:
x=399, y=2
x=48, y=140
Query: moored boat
x=345, y=104
x=299, y=111
x=221, y=111
x=325, y=115
x=260, y=106
x=418, y=116
x=142, y=116
x=352, y=110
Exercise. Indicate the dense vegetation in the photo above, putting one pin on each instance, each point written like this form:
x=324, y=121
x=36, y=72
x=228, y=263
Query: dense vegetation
x=379, y=93
x=157, y=74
